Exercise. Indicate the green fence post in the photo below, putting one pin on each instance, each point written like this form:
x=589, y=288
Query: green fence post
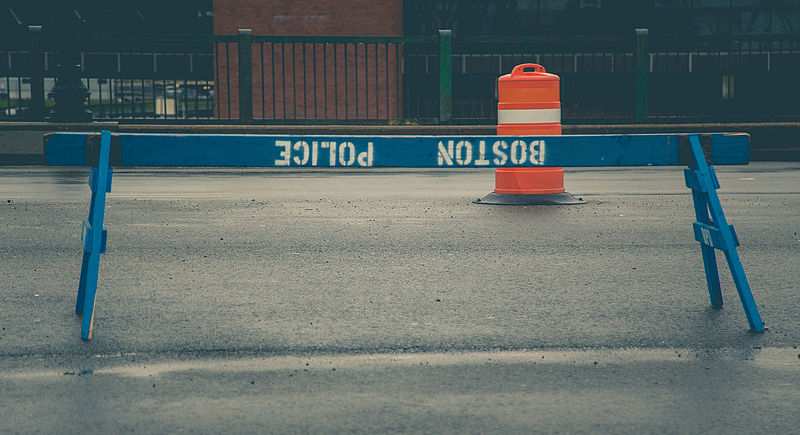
x=37, y=74
x=245, y=51
x=642, y=70
x=445, y=75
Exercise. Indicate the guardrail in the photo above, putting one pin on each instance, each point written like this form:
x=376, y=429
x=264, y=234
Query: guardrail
x=249, y=78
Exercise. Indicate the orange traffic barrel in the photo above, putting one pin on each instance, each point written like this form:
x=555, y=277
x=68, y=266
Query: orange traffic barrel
x=529, y=104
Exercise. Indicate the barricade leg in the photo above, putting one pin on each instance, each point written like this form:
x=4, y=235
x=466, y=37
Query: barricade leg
x=743, y=287
x=86, y=250
x=709, y=256
x=93, y=235
x=89, y=296
x=82, y=284
x=713, y=232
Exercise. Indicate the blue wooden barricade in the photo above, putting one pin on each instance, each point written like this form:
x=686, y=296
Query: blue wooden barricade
x=94, y=236
x=696, y=151
x=282, y=151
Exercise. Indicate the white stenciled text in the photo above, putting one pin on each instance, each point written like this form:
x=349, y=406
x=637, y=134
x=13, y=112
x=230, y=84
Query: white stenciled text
x=322, y=153
x=502, y=153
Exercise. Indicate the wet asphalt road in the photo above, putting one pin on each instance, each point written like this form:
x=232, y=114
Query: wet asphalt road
x=228, y=297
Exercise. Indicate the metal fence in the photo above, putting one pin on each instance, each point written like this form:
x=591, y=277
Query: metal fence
x=168, y=79
x=279, y=79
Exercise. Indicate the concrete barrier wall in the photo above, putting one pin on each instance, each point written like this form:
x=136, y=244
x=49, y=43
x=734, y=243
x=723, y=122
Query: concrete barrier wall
x=21, y=143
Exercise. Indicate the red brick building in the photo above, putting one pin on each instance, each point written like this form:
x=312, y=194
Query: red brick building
x=312, y=80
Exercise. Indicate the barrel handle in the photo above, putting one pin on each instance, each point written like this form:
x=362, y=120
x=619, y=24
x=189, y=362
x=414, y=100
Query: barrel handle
x=520, y=69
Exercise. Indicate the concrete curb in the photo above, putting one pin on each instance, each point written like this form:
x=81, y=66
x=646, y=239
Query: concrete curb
x=21, y=142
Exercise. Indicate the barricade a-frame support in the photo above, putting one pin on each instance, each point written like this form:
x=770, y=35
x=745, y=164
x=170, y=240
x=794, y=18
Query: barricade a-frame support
x=712, y=229
x=93, y=236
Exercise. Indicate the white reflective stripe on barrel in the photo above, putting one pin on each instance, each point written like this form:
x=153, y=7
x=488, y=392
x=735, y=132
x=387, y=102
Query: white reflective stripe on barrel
x=528, y=116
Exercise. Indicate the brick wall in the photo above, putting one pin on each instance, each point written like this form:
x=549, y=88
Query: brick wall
x=312, y=80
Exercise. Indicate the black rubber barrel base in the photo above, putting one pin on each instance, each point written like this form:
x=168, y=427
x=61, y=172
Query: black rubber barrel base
x=549, y=199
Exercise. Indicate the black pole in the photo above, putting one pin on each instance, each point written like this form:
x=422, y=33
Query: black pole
x=245, y=61
x=37, y=74
x=69, y=92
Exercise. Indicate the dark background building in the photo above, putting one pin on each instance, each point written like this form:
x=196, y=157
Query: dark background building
x=602, y=17
x=141, y=17
x=179, y=59
x=419, y=17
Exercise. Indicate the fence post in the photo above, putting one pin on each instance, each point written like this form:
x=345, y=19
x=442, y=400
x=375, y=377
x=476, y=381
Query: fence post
x=245, y=46
x=642, y=70
x=445, y=75
x=37, y=74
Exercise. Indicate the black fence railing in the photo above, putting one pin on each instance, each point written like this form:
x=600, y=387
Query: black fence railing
x=129, y=79
x=280, y=79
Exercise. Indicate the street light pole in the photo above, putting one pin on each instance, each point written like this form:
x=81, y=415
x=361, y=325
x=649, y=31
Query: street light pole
x=69, y=92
